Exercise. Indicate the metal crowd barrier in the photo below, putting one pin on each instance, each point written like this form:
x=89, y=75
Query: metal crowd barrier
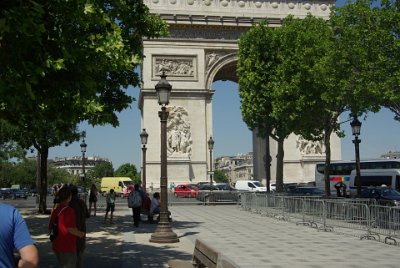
x=362, y=218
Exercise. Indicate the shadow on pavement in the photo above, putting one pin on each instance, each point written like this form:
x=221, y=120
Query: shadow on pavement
x=117, y=244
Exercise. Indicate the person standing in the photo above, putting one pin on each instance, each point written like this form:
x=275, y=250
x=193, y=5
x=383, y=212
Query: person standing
x=135, y=201
x=14, y=234
x=110, y=199
x=64, y=244
x=81, y=214
x=93, y=199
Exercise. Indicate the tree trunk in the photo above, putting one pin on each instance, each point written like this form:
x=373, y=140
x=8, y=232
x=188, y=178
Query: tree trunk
x=44, y=152
x=279, y=166
x=38, y=186
x=267, y=164
x=327, y=141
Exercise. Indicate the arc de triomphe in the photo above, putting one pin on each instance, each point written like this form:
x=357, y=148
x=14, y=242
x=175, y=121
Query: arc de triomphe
x=202, y=48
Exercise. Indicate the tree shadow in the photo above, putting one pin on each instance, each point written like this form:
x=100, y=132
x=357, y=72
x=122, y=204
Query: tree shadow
x=112, y=244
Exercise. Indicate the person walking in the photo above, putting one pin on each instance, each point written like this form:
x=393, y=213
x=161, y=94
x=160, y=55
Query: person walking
x=93, y=199
x=135, y=201
x=110, y=200
x=81, y=214
x=14, y=234
x=64, y=242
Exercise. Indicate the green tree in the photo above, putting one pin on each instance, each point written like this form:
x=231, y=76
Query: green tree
x=24, y=173
x=58, y=175
x=256, y=70
x=390, y=21
x=127, y=170
x=309, y=67
x=358, y=69
x=274, y=69
x=65, y=62
x=220, y=176
x=299, y=96
x=104, y=169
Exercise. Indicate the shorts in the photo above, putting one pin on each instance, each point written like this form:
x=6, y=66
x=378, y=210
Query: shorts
x=110, y=206
x=92, y=199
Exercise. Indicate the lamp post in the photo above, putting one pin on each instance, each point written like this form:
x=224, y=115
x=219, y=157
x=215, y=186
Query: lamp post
x=143, y=139
x=355, y=128
x=211, y=147
x=163, y=233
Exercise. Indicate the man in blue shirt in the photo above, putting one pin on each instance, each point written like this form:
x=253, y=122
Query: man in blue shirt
x=14, y=234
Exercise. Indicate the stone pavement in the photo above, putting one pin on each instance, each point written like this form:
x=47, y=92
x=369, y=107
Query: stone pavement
x=249, y=240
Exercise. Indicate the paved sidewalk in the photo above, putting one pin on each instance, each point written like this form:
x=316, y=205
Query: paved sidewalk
x=250, y=240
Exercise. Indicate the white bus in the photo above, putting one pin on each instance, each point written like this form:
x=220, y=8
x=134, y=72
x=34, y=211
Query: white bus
x=341, y=170
x=375, y=177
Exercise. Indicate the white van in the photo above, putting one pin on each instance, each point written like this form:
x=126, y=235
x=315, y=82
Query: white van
x=253, y=186
x=374, y=178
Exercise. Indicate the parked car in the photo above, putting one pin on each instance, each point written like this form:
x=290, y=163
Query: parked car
x=222, y=192
x=19, y=193
x=307, y=191
x=185, y=190
x=32, y=192
x=383, y=195
x=225, y=187
x=207, y=187
x=5, y=193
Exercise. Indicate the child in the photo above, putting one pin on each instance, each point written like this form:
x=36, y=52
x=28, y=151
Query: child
x=110, y=199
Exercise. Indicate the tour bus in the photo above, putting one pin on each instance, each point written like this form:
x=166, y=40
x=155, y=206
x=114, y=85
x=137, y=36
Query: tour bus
x=341, y=170
x=375, y=178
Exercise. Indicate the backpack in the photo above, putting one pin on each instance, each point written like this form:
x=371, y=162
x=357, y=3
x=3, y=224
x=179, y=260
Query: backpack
x=54, y=230
x=134, y=199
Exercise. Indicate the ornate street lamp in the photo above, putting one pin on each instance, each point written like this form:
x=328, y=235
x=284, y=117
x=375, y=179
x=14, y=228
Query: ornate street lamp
x=211, y=147
x=83, y=150
x=355, y=128
x=143, y=139
x=163, y=233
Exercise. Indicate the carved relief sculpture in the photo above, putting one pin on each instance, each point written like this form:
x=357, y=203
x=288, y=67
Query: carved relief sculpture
x=213, y=56
x=308, y=147
x=179, y=140
x=180, y=67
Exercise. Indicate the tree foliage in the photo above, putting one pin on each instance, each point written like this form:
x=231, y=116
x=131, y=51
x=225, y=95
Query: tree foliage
x=127, y=170
x=64, y=62
x=276, y=78
x=220, y=176
x=390, y=21
x=299, y=78
x=104, y=169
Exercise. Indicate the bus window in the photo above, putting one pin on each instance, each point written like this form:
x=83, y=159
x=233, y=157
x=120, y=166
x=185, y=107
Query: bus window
x=375, y=180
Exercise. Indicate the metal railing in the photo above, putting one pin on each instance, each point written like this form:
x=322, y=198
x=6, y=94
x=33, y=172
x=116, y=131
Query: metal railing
x=362, y=218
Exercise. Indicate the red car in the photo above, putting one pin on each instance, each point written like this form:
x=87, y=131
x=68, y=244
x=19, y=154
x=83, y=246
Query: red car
x=185, y=190
x=126, y=191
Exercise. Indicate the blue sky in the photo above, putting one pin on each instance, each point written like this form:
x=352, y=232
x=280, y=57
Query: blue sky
x=379, y=132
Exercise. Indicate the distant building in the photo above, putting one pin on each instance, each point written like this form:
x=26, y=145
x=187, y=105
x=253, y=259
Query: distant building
x=391, y=155
x=74, y=164
x=239, y=167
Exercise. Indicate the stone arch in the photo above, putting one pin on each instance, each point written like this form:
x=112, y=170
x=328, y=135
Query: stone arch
x=203, y=48
x=224, y=68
